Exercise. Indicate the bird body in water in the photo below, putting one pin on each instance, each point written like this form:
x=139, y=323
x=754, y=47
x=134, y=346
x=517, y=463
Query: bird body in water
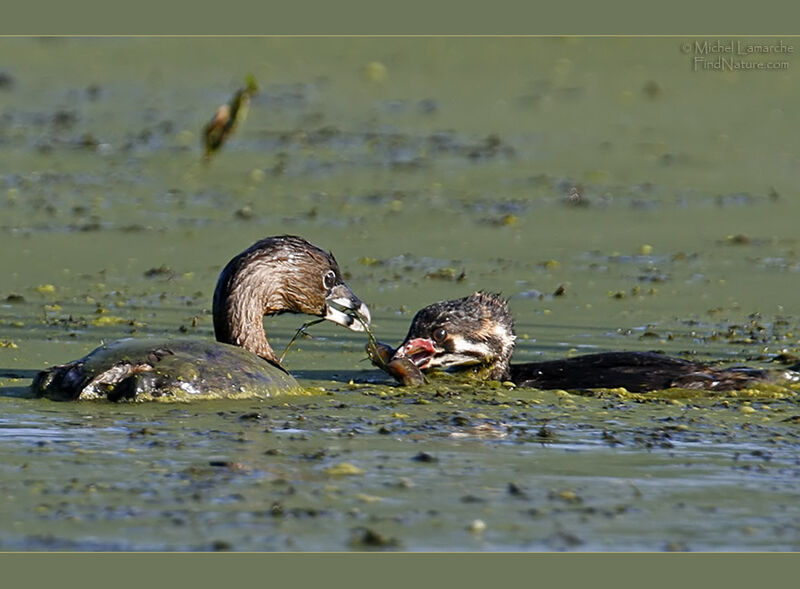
x=477, y=333
x=284, y=274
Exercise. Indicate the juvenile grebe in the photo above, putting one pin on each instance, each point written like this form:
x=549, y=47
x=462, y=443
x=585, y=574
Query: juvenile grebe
x=284, y=274
x=477, y=332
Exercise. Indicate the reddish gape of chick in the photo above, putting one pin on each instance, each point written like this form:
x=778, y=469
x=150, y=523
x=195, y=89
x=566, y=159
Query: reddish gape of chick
x=420, y=351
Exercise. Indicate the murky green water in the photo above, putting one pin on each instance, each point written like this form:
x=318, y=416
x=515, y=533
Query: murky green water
x=452, y=157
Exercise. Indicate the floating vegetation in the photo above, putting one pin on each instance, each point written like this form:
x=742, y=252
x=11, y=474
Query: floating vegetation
x=343, y=469
x=447, y=274
x=163, y=271
x=106, y=320
x=375, y=72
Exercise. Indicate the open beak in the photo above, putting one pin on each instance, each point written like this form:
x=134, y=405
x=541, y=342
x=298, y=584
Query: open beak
x=344, y=308
x=419, y=350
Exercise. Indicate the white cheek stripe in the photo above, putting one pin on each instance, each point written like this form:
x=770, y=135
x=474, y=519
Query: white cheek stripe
x=463, y=346
x=469, y=352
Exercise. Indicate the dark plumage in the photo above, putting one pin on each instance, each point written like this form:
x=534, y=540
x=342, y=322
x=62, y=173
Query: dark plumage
x=477, y=332
x=635, y=371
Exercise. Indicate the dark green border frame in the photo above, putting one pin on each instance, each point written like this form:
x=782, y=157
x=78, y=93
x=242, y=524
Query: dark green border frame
x=409, y=17
x=389, y=570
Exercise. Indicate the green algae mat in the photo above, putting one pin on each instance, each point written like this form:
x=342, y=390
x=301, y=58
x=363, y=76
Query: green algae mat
x=655, y=193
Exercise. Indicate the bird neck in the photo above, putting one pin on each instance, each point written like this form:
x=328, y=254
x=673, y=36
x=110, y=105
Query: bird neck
x=241, y=301
x=499, y=369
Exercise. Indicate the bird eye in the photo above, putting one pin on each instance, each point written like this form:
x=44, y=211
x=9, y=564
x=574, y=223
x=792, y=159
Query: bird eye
x=439, y=335
x=329, y=280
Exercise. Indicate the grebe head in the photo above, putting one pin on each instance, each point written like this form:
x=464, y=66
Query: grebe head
x=284, y=274
x=473, y=330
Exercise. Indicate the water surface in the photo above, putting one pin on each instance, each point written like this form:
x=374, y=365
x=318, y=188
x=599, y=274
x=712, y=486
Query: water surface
x=662, y=199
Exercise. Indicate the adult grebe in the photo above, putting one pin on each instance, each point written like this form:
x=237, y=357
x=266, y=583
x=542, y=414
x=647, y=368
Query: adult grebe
x=284, y=274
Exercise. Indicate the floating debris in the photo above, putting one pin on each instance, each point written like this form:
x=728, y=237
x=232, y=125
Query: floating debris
x=516, y=491
x=575, y=197
x=427, y=106
x=375, y=72
x=217, y=131
x=652, y=89
x=245, y=213
x=566, y=495
x=425, y=457
x=105, y=320
x=163, y=271
x=369, y=538
x=490, y=147
x=6, y=81
x=447, y=274
x=344, y=469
